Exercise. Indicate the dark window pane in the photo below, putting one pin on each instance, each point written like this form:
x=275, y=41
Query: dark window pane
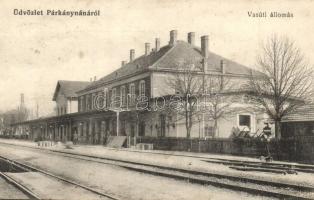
x=245, y=120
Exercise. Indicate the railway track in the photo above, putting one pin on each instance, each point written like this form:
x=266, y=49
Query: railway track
x=272, y=167
x=29, y=193
x=275, y=165
x=249, y=185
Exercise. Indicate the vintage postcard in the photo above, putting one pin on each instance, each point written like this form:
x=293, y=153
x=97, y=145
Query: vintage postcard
x=156, y=99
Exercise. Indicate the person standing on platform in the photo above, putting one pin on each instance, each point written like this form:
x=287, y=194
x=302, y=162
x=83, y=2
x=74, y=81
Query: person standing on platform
x=266, y=138
x=75, y=138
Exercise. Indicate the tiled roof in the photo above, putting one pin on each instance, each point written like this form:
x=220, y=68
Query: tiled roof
x=69, y=88
x=167, y=58
x=140, y=63
x=303, y=113
x=184, y=50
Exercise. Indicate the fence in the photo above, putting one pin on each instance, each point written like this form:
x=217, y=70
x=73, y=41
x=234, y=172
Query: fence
x=292, y=149
x=299, y=149
x=217, y=145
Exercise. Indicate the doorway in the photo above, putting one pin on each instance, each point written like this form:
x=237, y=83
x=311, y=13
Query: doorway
x=162, y=125
x=141, y=129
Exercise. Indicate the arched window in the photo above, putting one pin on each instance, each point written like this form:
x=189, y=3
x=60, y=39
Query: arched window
x=132, y=93
x=113, y=94
x=83, y=103
x=93, y=102
x=90, y=100
x=142, y=88
x=122, y=95
x=87, y=102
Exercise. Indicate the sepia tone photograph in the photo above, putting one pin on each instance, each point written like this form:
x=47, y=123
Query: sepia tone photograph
x=156, y=99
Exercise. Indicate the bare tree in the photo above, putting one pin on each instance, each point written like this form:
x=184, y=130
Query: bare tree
x=286, y=82
x=220, y=93
x=200, y=93
x=187, y=83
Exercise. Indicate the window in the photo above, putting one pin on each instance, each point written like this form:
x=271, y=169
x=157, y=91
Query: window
x=98, y=101
x=209, y=131
x=132, y=93
x=245, y=120
x=122, y=95
x=93, y=101
x=142, y=88
x=113, y=94
x=87, y=103
x=105, y=96
x=177, y=88
x=81, y=104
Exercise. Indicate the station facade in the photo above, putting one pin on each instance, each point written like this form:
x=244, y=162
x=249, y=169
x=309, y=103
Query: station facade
x=109, y=106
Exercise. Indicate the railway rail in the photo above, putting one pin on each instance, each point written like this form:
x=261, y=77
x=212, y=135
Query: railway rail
x=29, y=193
x=297, y=166
x=249, y=185
x=273, y=167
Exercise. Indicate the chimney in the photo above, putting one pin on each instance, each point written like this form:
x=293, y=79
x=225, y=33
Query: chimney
x=223, y=66
x=95, y=78
x=132, y=55
x=147, y=49
x=173, y=37
x=91, y=79
x=157, y=44
x=204, y=47
x=123, y=63
x=191, y=38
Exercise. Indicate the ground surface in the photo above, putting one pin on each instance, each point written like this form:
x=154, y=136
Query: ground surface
x=119, y=181
x=49, y=188
x=173, y=160
x=7, y=191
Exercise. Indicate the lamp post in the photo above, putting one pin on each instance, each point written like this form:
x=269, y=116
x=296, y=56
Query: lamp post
x=199, y=132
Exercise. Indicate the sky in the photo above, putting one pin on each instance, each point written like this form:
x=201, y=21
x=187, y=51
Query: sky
x=37, y=51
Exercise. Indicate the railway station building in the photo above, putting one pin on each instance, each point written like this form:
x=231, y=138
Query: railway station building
x=109, y=105
x=65, y=96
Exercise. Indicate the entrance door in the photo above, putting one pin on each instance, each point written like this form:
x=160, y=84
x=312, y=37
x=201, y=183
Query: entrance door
x=132, y=130
x=87, y=132
x=98, y=132
x=162, y=125
x=74, y=131
x=93, y=124
x=142, y=129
